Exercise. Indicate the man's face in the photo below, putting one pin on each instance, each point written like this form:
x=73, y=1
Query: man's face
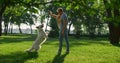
x=59, y=12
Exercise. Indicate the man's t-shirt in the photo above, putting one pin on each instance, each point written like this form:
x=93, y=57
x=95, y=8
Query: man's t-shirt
x=63, y=18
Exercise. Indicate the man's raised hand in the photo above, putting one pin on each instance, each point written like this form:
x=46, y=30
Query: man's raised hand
x=50, y=12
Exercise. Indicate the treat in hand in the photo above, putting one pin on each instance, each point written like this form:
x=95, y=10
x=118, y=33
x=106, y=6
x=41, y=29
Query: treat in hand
x=50, y=12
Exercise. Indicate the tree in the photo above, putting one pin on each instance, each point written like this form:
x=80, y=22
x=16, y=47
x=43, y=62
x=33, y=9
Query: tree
x=8, y=3
x=27, y=4
x=29, y=19
x=12, y=15
x=3, y=5
x=113, y=17
x=6, y=20
x=85, y=14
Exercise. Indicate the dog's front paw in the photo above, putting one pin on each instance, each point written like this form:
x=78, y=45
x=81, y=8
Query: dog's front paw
x=27, y=50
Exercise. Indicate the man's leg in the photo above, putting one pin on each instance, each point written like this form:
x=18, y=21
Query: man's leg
x=60, y=43
x=67, y=42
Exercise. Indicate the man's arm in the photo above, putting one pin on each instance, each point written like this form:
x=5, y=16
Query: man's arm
x=53, y=15
x=64, y=26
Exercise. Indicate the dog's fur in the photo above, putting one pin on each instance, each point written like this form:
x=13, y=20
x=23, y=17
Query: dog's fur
x=39, y=40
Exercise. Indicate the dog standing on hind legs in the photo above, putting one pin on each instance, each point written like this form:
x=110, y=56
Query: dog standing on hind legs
x=41, y=38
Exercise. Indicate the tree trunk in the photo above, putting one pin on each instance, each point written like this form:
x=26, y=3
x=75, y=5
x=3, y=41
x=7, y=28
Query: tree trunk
x=20, y=29
x=92, y=32
x=11, y=28
x=114, y=34
x=31, y=29
x=114, y=30
x=0, y=23
x=3, y=7
x=6, y=28
x=77, y=35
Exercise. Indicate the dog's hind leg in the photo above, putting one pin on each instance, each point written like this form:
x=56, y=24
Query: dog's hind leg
x=32, y=48
x=37, y=48
x=29, y=50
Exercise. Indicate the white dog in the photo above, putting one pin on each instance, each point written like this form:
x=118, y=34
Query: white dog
x=39, y=40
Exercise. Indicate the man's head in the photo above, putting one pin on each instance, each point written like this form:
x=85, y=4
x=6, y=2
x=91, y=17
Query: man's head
x=60, y=10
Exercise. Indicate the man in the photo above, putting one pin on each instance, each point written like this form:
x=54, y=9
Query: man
x=62, y=22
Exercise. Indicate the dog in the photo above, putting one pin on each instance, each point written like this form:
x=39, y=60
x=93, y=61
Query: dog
x=41, y=38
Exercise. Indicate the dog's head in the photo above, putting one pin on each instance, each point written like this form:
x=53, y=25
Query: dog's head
x=40, y=26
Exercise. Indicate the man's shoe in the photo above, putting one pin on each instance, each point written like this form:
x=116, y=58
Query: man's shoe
x=59, y=53
x=67, y=52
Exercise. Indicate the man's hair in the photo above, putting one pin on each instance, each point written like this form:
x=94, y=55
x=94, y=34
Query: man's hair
x=60, y=9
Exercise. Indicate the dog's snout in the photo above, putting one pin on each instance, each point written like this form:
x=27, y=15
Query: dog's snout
x=42, y=26
x=37, y=27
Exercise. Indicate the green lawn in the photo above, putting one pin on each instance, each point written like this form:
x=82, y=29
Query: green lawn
x=83, y=50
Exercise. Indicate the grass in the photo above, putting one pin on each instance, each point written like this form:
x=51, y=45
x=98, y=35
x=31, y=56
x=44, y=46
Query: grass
x=83, y=50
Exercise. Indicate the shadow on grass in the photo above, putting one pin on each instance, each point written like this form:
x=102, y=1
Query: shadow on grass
x=51, y=41
x=59, y=58
x=18, y=57
x=17, y=38
x=87, y=41
x=117, y=45
x=80, y=42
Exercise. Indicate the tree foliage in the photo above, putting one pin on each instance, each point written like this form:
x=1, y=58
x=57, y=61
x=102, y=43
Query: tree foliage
x=86, y=16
